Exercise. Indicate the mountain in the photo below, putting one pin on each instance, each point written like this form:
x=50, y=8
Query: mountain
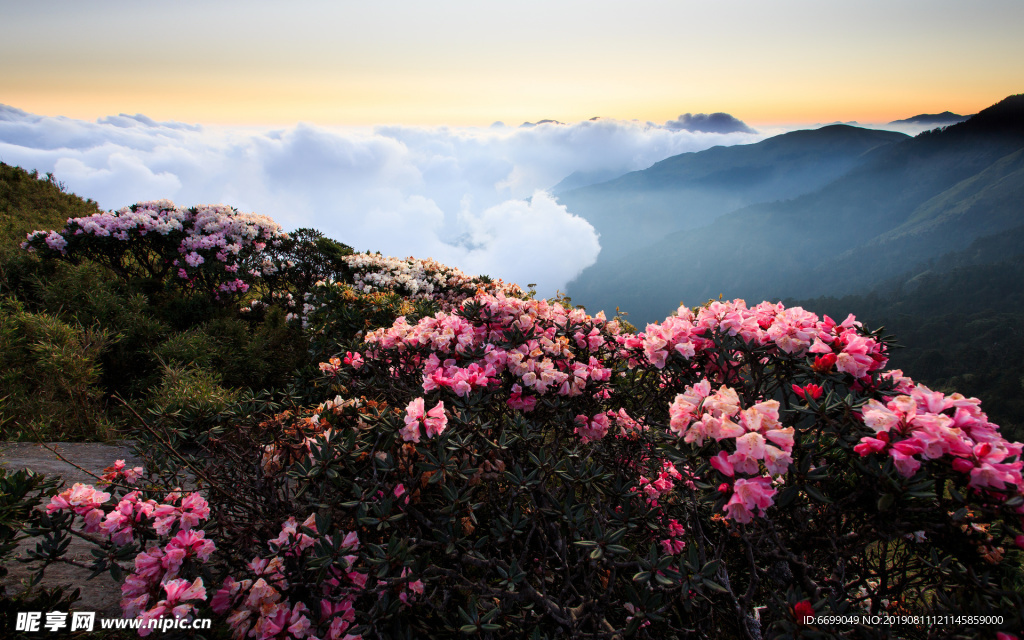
x=933, y=119
x=903, y=204
x=529, y=125
x=690, y=190
x=578, y=179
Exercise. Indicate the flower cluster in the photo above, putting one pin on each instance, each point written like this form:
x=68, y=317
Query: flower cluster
x=210, y=245
x=792, y=331
x=259, y=607
x=119, y=473
x=433, y=422
x=419, y=279
x=928, y=425
x=755, y=433
x=157, y=569
x=83, y=500
x=654, y=489
x=520, y=339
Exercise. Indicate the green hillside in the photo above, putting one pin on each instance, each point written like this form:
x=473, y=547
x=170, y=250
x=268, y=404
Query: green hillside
x=29, y=201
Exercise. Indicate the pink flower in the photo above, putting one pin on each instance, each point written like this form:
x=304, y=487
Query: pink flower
x=436, y=420
x=684, y=407
x=119, y=473
x=224, y=597
x=722, y=465
x=518, y=401
x=811, y=389
x=181, y=590
x=81, y=498
x=872, y=445
x=590, y=429
x=413, y=415
x=675, y=529
x=905, y=463
x=672, y=546
x=748, y=496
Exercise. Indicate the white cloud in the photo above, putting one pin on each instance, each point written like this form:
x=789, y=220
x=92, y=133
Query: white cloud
x=470, y=197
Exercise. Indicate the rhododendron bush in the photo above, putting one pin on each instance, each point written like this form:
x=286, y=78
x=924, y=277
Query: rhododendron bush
x=459, y=459
x=373, y=290
x=213, y=248
x=511, y=467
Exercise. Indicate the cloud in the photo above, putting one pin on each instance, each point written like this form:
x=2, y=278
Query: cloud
x=126, y=121
x=474, y=198
x=708, y=123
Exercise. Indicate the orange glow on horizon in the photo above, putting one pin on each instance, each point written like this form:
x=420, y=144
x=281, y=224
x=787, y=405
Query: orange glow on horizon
x=254, y=108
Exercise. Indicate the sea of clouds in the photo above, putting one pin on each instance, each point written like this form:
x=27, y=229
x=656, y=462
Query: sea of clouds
x=475, y=198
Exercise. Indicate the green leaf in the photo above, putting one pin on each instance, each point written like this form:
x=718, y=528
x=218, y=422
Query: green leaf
x=817, y=495
x=886, y=502
x=786, y=496
x=633, y=625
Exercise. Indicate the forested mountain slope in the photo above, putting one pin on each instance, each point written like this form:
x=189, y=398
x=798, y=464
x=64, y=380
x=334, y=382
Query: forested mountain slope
x=906, y=203
x=692, y=189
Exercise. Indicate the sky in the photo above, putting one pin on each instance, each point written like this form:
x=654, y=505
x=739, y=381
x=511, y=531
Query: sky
x=471, y=62
x=394, y=125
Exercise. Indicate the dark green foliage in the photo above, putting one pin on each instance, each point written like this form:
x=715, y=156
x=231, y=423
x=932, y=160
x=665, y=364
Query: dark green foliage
x=50, y=370
x=305, y=258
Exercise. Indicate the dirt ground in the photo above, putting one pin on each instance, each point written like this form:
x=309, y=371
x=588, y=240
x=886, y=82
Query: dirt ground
x=101, y=594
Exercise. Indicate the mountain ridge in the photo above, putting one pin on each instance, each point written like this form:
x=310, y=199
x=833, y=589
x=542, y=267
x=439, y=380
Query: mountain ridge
x=691, y=189
x=944, y=118
x=907, y=202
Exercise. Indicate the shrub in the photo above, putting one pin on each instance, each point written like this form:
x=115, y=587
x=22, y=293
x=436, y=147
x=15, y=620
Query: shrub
x=49, y=370
x=514, y=468
x=212, y=249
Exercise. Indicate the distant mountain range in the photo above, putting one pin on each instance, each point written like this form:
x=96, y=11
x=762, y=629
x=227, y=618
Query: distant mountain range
x=933, y=119
x=830, y=211
x=690, y=190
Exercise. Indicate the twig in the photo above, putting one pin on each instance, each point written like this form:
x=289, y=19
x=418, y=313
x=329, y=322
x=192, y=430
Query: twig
x=169, y=447
x=53, y=450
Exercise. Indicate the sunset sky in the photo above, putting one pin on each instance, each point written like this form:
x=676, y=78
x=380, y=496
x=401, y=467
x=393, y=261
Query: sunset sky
x=374, y=121
x=473, y=62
